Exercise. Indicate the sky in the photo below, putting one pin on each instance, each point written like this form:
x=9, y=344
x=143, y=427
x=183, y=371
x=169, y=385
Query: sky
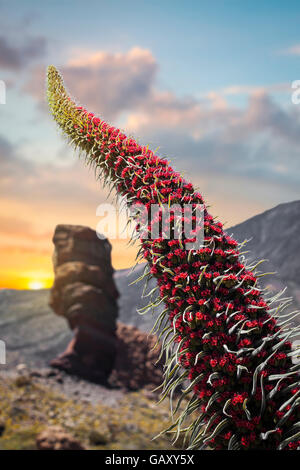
x=207, y=84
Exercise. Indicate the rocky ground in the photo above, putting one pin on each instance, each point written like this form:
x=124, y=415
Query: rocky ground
x=45, y=409
x=71, y=386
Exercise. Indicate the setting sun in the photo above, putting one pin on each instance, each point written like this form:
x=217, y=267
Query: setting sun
x=35, y=285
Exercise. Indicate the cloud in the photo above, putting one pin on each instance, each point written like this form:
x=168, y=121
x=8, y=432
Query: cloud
x=12, y=166
x=106, y=83
x=237, y=90
x=292, y=50
x=10, y=225
x=207, y=134
x=211, y=116
x=15, y=57
x=36, y=193
x=260, y=139
x=113, y=84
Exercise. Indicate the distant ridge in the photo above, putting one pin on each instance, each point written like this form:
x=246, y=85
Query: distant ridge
x=275, y=236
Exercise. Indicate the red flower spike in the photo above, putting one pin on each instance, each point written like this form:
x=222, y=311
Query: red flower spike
x=244, y=384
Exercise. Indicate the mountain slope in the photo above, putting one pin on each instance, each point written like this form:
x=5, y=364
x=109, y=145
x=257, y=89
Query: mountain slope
x=275, y=236
x=31, y=331
x=131, y=298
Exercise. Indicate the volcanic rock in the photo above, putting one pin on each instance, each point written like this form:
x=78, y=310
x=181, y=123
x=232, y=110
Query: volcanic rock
x=85, y=294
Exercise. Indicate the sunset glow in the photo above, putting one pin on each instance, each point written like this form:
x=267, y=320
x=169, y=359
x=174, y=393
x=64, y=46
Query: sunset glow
x=31, y=269
x=36, y=285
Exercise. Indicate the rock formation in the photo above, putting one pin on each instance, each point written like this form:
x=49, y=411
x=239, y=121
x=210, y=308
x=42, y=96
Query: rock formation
x=84, y=293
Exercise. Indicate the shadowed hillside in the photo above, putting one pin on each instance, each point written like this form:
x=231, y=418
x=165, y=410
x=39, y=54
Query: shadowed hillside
x=33, y=334
x=275, y=236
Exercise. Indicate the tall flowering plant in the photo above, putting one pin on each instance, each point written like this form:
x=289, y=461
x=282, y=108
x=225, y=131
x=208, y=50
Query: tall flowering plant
x=222, y=335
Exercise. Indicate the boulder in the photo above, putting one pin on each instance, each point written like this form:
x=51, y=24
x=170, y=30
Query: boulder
x=55, y=438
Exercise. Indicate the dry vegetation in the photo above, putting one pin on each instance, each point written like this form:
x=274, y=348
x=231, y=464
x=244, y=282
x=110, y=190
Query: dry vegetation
x=27, y=408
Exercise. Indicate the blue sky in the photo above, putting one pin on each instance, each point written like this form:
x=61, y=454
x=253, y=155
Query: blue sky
x=207, y=82
x=201, y=44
